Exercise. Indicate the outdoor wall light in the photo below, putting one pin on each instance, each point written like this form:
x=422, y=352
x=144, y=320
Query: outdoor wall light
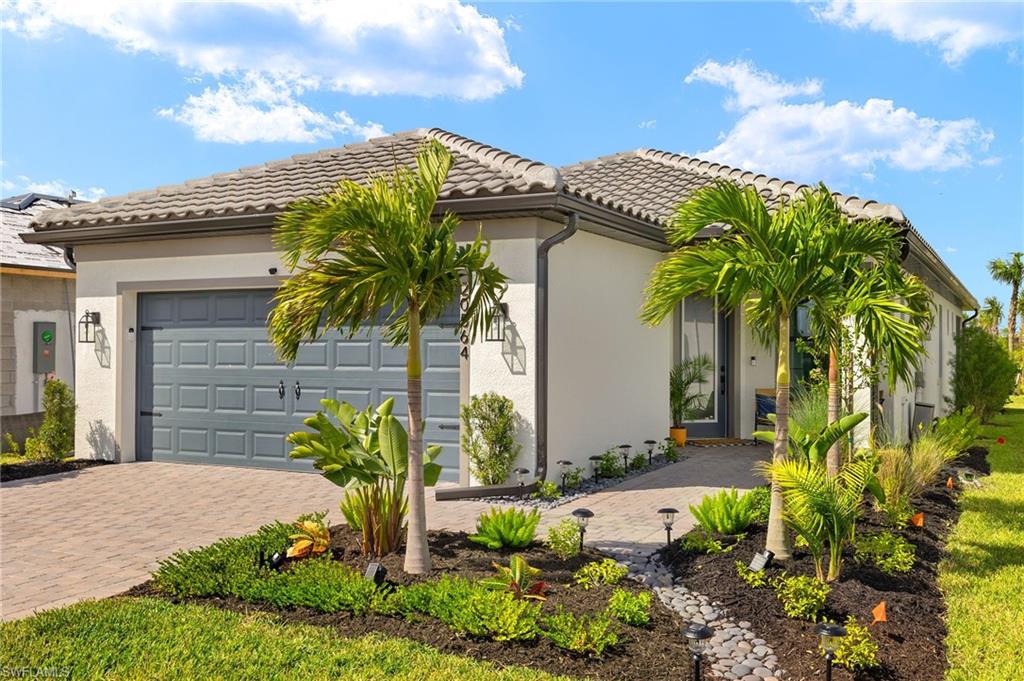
x=583, y=516
x=520, y=472
x=595, y=462
x=668, y=516
x=830, y=635
x=697, y=638
x=496, y=329
x=625, y=457
x=650, y=451
x=87, y=327
x=753, y=361
x=564, y=463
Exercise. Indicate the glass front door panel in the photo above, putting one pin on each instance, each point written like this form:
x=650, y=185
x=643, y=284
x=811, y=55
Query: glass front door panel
x=700, y=335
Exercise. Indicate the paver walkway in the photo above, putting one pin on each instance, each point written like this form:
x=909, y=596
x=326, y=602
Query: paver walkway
x=96, y=532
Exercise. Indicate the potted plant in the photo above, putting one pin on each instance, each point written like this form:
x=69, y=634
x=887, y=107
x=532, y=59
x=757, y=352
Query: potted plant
x=685, y=403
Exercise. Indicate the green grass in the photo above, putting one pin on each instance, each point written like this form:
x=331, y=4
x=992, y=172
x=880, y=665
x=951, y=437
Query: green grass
x=125, y=638
x=984, y=573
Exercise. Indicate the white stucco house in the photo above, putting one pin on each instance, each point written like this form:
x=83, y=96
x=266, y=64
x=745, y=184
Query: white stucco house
x=182, y=276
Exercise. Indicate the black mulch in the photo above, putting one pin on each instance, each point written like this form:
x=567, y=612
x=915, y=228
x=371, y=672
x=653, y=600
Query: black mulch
x=32, y=469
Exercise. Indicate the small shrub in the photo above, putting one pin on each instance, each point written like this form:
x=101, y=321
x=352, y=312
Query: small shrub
x=442, y=599
x=564, y=539
x=889, y=552
x=857, y=650
x=629, y=608
x=760, y=501
x=510, y=528
x=638, y=462
x=311, y=539
x=753, y=578
x=958, y=430
x=801, y=597
x=519, y=579
x=724, y=513
x=489, y=437
x=574, y=478
x=606, y=571
x=610, y=465
x=10, y=445
x=547, y=491
x=984, y=375
x=473, y=608
x=56, y=437
x=699, y=541
x=587, y=635
x=667, y=450
x=320, y=583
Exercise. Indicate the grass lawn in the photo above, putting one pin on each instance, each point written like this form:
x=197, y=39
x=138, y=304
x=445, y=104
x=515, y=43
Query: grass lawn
x=984, y=574
x=152, y=639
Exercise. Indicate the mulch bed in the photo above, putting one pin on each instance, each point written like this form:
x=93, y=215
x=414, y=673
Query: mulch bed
x=32, y=469
x=657, y=652
x=912, y=641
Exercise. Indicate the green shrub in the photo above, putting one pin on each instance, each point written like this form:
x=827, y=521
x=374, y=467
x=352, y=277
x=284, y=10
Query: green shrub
x=56, y=437
x=700, y=541
x=857, y=650
x=724, y=513
x=474, y=609
x=638, y=462
x=574, y=478
x=629, y=608
x=958, y=430
x=760, y=501
x=755, y=579
x=668, y=451
x=801, y=597
x=10, y=445
x=441, y=599
x=520, y=579
x=610, y=465
x=605, y=571
x=906, y=472
x=564, y=539
x=891, y=553
x=319, y=583
x=984, y=375
x=489, y=437
x=587, y=635
x=547, y=491
x=510, y=528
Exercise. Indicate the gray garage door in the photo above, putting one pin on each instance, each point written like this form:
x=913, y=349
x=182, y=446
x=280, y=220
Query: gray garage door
x=211, y=389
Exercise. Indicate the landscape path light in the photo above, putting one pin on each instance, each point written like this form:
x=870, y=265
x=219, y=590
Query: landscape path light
x=583, y=516
x=697, y=638
x=650, y=451
x=668, y=516
x=831, y=636
x=564, y=463
x=625, y=457
x=520, y=472
x=595, y=461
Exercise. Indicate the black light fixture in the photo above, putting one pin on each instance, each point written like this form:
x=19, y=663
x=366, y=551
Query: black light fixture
x=273, y=561
x=520, y=472
x=668, y=517
x=87, y=327
x=697, y=637
x=625, y=457
x=375, y=572
x=595, y=462
x=583, y=516
x=564, y=463
x=496, y=329
x=761, y=560
x=830, y=635
x=650, y=451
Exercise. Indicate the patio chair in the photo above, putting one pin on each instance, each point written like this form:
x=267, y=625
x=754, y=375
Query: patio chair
x=764, y=404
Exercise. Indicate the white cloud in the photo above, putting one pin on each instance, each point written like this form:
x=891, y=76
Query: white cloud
x=751, y=87
x=262, y=110
x=951, y=249
x=22, y=184
x=817, y=140
x=648, y=125
x=957, y=28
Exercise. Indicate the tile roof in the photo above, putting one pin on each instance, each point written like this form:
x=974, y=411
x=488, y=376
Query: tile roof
x=16, y=214
x=480, y=170
x=648, y=183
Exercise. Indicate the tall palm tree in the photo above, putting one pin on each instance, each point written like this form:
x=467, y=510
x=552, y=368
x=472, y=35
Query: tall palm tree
x=1010, y=271
x=876, y=306
x=768, y=262
x=364, y=251
x=991, y=315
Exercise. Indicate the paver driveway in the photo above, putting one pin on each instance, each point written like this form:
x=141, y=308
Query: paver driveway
x=96, y=532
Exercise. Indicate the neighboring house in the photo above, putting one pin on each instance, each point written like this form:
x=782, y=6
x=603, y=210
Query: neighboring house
x=183, y=275
x=37, y=295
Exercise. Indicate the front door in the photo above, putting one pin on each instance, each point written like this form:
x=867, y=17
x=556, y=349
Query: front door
x=704, y=331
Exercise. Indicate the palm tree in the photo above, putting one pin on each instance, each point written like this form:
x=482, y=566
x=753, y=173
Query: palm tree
x=876, y=306
x=991, y=315
x=360, y=252
x=768, y=262
x=1010, y=271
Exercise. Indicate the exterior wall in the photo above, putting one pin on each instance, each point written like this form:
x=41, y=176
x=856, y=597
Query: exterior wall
x=27, y=299
x=753, y=368
x=608, y=372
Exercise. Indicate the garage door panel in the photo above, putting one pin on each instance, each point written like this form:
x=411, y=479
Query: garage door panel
x=265, y=356
x=230, y=354
x=230, y=398
x=353, y=355
x=230, y=443
x=267, y=400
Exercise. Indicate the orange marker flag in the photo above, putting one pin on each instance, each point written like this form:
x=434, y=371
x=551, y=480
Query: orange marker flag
x=879, y=613
x=917, y=520
x=949, y=482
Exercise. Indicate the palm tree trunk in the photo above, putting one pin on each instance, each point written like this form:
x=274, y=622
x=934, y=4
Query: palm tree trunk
x=1012, y=318
x=832, y=461
x=417, y=552
x=777, y=542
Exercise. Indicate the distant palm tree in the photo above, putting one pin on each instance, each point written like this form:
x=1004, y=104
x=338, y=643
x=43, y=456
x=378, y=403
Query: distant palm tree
x=1010, y=271
x=366, y=250
x=769, y=262
x=991, y=315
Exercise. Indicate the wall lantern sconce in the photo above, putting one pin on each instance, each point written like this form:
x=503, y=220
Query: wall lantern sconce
x=668, y=516
x=520, y=472
x=650, y=451
x=753, y=360
x=496, y=329
x=625, y=458
x=564, y=464
x=87, y=327
x=697, y=638
x=830, y=635
x=595, y=462
x=583, y=516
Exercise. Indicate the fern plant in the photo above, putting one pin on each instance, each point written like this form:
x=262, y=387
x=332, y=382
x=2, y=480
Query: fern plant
x=519, y=578
x=724, y=513
x=510, y=528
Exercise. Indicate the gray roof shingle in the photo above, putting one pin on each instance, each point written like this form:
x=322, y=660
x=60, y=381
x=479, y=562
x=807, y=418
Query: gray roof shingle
x=16, y=214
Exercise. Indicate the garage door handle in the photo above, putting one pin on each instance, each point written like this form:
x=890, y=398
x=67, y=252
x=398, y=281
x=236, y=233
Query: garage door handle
x=150, y=413
x=448, y=426
x=298, y=390
x=280, y=389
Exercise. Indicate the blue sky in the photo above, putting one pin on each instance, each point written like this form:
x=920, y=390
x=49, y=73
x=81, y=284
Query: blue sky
x=919, y=105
